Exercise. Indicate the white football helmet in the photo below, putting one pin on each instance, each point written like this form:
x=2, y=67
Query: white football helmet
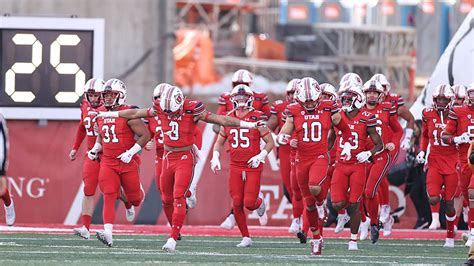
x=350, y=77
x=172, y=101
x=158, y=90
x=241, y=96
x=348, y=85
x=443, y=97
x=329, y=90
x=291, y=88
x=352, y=98
x=470, y=94
x=308, y=93
x=92, y=87
x=374, y=86
x=459, y=94
x=241, y=76
x=114, y=93
x=382, y=79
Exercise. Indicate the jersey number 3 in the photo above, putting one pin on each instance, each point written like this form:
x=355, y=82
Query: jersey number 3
x=239, y=138
x=109, y=134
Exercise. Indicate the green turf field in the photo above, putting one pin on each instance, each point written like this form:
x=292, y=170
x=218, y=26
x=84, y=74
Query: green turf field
x=62, y=249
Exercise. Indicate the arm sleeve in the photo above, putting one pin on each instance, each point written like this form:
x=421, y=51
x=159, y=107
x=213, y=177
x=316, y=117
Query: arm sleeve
x=199, y=109
x=150, y=129
x=80, y=135
x=344, y=128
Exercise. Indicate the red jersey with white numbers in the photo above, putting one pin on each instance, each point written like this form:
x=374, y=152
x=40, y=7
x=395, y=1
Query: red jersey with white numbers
x=156, y=132
x=360, y=137
x=278, y=108
x=395, y=100
x=244, y=143
x=461, y=119
x=383, y=112
x=117, y=136
x=433, y=125
x=260, y=103
x=180, y=131
x=85, y=127
x=312, y=128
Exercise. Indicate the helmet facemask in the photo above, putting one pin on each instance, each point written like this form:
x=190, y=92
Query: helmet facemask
x=441, y=103
x=94, y=98
x=373, y=97
x=242, y=101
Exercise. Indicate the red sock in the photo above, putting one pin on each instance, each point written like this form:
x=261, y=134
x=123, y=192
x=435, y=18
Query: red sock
x=297, y=207
x=384, y=192
x=168, y=208
x=313, y=220
x=179, y=214
x=435, y=208
x=363, y=217
x=341, y=211
x=6, y=198
x=241, y=221
x=108, y=213
x=470, y=222
x=86, y=221
x=128, y=205
x=450, y=226
x=372, y=206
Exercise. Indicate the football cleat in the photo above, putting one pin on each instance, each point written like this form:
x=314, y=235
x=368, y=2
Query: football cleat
x=364, y=229
x=322, y=212
x=468, y=242
x=295, y=226
x=469, y=262
x=82, y=232
x=435, y=224
x=316, y=246
x=245, y=243
x=191, y=201
x=10, y=214
x=262, y=211
x=374, y=233
x=105, y=238
x=449, y=243
x=302, y=237
x=170, y=245
x=130, y=214
x=342, y=219
x=352, y=245
x=229, y=222
x=465, y=236
x=387, y=227
x=384, y=213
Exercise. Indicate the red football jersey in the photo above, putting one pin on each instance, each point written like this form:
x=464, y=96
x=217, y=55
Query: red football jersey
x=180, y=132
x=156, y=132
x=86, y=127
x=278, y=108
x=312, y=128
x=358, y=126
x=461, y=119
x=117, y=136
x=433, y=126
x=244, y=143
x=382, y=113
x=395, y=99
x=260, y=103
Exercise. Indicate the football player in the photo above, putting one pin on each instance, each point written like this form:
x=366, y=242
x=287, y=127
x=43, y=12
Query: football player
x=246, y=159
x=4, y=193
x=311, y=119
x=120, y=161
x=443, y=158
x=348, y=179
x=179, y=117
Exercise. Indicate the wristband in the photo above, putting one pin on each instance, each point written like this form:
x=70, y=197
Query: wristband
x=408, y=133
x=245, y=124
x=135, y=148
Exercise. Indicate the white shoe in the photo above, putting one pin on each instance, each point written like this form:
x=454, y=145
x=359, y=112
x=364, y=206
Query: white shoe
x=465, y=236
x=170, y=245
x=469, y=241
x=435, y=224
x=229, y=222
x=295, y=226
x=364, y=229
x=262, y=211
x=245, y=243
x=384, y=213
x=352, y=245
x=10, y=214
x=105, y=237
x=191, y=201
x=130, y=214
x=342, y=219
x=449, y=243
x=387, y=227
x=82, y=232
x=465, y=214
x=321, y=211
x=316, y=247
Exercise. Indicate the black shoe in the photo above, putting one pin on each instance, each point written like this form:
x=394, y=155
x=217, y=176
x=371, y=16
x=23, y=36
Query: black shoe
x=469, y=262
x=374, y=233
x=179, y=237
x=302, y=237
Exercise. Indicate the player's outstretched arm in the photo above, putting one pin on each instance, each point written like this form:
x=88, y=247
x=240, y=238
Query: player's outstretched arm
x=227, y=121
x=130, y=113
